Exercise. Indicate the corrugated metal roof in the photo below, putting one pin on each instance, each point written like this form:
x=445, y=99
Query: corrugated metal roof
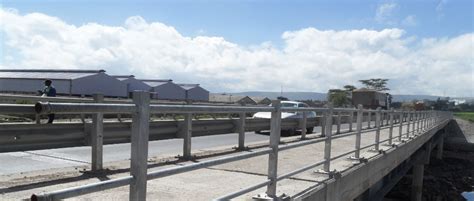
x=123, y=77
x=188, y=86
x=46, y=74
x=154, y=84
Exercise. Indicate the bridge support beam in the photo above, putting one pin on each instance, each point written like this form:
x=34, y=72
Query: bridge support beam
x=439, y=147
x=417, y=183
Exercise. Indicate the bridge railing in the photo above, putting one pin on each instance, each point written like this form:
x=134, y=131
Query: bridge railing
x=141, y=110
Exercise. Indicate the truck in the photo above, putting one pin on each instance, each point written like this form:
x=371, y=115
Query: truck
x=371, y=99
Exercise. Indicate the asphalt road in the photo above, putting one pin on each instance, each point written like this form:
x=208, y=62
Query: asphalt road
x=25, y=161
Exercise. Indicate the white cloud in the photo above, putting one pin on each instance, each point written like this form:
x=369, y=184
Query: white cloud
x=385, y=12
x=310, y=59
x=440, y=7
x=409, y=21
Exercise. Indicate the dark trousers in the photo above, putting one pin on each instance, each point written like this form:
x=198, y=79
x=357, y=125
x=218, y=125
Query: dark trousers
x=50, y=118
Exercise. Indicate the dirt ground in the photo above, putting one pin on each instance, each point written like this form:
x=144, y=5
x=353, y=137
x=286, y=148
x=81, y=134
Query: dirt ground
x=444, y=180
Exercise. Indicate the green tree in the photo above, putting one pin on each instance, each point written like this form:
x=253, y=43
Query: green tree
x=349, y=88
x=377, y=84
x=338, y=97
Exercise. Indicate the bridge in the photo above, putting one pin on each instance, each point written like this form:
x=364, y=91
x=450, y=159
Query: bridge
x=356, y=154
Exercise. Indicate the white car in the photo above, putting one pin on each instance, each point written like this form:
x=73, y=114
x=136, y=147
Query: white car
x=288, y=115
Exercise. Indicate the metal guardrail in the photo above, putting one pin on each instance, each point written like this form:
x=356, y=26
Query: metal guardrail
x=141, y=110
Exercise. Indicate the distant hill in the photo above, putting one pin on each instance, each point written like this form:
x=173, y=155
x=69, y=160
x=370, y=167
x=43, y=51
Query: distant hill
x=322, y=96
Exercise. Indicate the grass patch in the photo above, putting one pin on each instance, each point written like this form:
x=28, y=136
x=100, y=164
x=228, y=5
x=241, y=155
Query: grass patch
x=469, y=116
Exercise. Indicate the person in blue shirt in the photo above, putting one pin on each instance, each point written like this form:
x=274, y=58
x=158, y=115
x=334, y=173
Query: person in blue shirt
x=49, y=91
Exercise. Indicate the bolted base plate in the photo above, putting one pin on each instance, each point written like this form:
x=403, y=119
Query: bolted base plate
x=264, y=196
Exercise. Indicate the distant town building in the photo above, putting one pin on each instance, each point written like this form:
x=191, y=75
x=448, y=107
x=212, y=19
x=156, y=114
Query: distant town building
x=132, y=83
x=165, y=89
x=231, y=99
x=66, y=82
x=261, y=100
x=194, y=92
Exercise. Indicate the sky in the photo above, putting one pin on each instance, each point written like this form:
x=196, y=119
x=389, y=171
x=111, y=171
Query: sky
x=423, y=47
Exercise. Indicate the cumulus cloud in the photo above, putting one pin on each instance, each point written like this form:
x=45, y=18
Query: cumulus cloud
x=310, y=59
x=409, y=21
x=385, y=12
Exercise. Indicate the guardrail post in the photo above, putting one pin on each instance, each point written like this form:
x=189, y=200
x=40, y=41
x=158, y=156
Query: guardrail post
x=323, y=124
x=377, y=125
x=187, y=135
x=304, y=123
x=390, y=132
x=242, y=131
x=400, y=128
x=387, y=117
x=338, y=128
x=369, y=118
x=97, y=136
x=275, y=131
x=351, y=120
x=408, y=124
x=37, y=119
x=139, y=152
x=328, y=141
x=416, y=122
x=360, y=113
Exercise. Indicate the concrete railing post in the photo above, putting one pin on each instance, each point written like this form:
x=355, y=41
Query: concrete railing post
x=338, y=127
x=139, y=152
x=275, y=131
x=323, y=124
x=351, y=120
x=97, y=136
x=37, y=119
x=417, y=128
x=400, y=128
x=377, y=125
x=415, y=117
x=328, y=140
x=409, y=114
x=187, y=135
x=304, y=123
x=369, y=118
x=422, y=121
x=360, y=112
x=390, y=132
x=241, y=129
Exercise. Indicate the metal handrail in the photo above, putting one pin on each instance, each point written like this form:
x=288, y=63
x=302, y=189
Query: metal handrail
x=141, y=109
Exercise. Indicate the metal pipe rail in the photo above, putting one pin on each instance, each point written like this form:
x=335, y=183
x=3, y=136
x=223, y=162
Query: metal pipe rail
x=141, y=110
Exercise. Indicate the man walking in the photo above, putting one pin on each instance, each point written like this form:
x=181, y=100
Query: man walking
x=49, y=91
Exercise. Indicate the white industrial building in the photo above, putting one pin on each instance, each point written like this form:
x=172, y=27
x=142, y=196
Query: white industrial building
x=132, y=83
x=194, y=92
x=165, y=89
x=231, y=99
x=66, y=82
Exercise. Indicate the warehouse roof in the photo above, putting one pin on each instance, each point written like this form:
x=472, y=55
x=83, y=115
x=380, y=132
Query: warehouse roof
x=157, y=82
x=123, y=77
x=188, y=86
x=46, y=74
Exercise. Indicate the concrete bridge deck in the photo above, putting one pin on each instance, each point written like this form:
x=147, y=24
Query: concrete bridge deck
x=210, y=183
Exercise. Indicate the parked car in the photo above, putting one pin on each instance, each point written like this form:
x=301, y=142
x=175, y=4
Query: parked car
x=288, y=115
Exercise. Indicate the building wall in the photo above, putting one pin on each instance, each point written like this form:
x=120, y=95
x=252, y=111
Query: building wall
x=198, y=94
x=99, y=83
x=169, y=91
x=134, y=85
x=32, y=85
